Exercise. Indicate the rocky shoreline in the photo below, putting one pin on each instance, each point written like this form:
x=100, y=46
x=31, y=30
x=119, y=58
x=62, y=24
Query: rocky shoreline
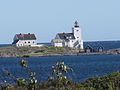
x=48, y=51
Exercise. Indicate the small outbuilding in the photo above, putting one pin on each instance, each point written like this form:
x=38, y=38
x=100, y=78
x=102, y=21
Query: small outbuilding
x=89, y=49
x=100, y=49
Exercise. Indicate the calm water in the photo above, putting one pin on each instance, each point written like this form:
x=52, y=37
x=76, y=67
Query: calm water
x=84, y=66
x=5, y=45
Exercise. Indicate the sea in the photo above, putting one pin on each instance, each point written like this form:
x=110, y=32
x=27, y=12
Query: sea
x=83, y=67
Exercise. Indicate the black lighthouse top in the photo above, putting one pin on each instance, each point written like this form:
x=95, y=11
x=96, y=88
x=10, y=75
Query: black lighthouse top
x=76, y=24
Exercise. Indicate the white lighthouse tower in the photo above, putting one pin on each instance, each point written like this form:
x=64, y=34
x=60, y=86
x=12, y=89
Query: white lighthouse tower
x=76, y=30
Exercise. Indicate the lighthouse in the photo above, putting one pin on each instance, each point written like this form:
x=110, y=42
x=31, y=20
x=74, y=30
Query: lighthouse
x=76, y=30
x=72, y=39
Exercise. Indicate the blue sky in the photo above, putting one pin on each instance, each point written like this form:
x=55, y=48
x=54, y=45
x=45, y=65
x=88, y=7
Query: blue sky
x=99, y=19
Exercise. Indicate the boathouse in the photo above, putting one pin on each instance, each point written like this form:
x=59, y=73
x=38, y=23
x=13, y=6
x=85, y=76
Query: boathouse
x=89, y=49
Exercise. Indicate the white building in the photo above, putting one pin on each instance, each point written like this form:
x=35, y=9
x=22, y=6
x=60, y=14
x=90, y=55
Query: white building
x=24, y=40
x=73, y=39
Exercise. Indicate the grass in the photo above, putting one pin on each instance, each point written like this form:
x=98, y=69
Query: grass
x=47, y=50
x=41, y=51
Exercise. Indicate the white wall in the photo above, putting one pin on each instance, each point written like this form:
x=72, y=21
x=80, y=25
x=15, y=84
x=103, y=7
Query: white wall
x=77, y=33
x=71, y=43
x=81, y=44
x=26, y=43
x=58, y=44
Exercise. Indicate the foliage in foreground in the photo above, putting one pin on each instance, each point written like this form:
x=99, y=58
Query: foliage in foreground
x=109, y=82
x=57, y=81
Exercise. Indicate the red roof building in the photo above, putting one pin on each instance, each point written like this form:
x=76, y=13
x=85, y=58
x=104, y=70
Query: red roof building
x=24, y=39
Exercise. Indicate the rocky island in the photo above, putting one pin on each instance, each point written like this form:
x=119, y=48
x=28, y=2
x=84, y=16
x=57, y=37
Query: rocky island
x=37, y=51
x=48, y=51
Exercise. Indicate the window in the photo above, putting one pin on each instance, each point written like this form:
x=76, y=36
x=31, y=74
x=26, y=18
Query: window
x=25, y=42
x=68, y=37
x=77, y=30
x=29, y=42
x=33, y=42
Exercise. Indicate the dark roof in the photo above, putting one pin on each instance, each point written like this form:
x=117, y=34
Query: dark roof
x=26, y=36
x=93, y=45
x=93, y=48
x=88, y=48
x=15, y=41
x=76, y=24
x=66, y=36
